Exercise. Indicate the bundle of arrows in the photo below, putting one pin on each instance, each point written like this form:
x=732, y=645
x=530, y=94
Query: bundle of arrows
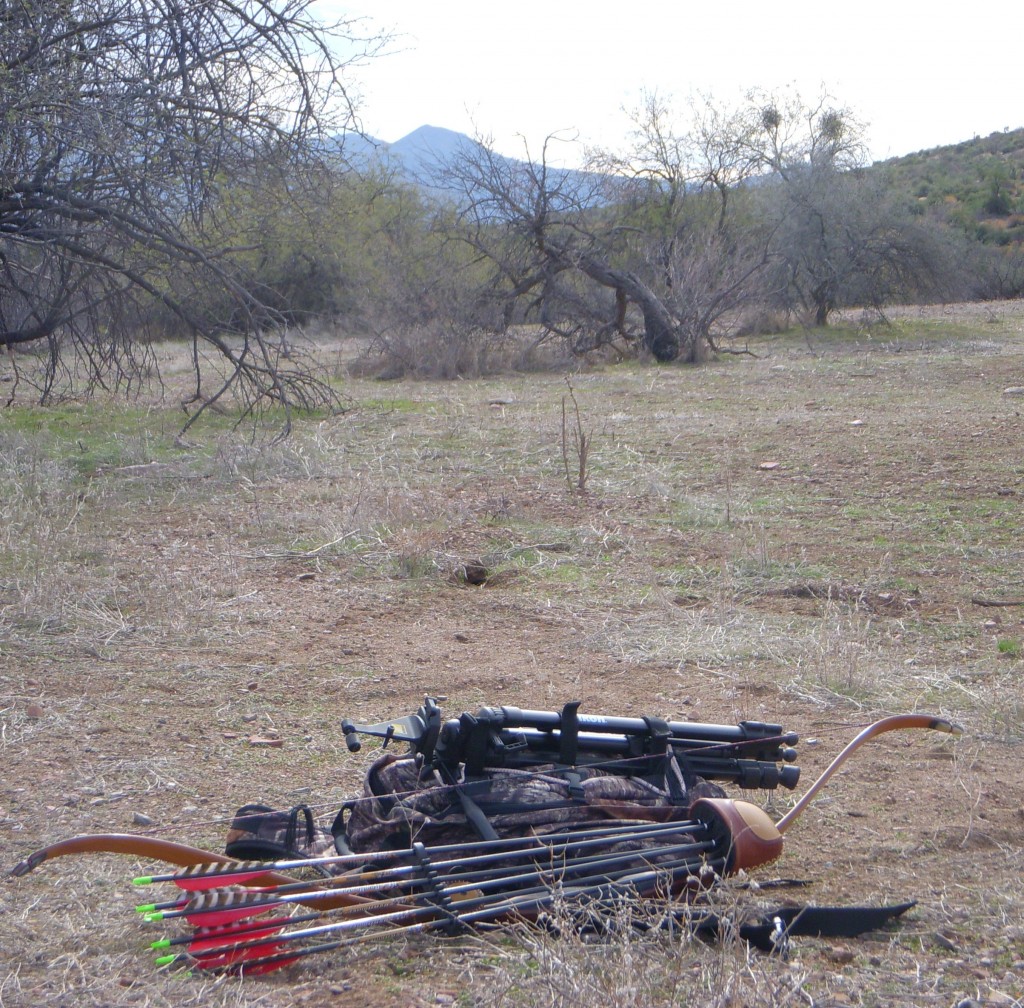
x=255, y=917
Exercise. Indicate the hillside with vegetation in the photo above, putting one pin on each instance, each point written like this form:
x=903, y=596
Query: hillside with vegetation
x=976, y=185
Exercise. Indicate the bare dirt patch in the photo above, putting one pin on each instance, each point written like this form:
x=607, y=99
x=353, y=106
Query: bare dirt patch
x=161, y=605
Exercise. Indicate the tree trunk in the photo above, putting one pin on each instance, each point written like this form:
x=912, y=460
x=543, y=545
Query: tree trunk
x=661, y=335
x=823, y=303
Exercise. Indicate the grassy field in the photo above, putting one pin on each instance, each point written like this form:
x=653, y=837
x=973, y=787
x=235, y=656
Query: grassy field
x=820, y=535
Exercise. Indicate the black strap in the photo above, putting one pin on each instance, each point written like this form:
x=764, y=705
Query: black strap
x=569, y=733
x=292, y=834
x=474, y=814
x=771, y=931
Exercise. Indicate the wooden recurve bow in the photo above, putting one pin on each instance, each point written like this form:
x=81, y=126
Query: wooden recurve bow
x=155, y=849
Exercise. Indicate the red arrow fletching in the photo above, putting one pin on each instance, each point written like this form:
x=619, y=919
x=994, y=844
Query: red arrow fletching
x=207, y=939
x=236, y=956
x=197, y=883
x=216, y=918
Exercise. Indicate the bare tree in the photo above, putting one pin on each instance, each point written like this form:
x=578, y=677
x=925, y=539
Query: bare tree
x=839, y=236
x=122, y=120
x=605, y=256
x=692, y=216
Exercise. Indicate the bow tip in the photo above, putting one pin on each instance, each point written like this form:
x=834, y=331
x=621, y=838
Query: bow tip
x=24, y=867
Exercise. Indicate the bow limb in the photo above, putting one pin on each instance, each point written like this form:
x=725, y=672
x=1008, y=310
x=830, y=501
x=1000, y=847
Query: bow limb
x=897, y=721
x=155, y=849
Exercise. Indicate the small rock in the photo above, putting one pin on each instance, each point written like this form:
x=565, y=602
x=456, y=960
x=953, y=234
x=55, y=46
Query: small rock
x=141, y=819
x=1014, y=390
x=252, y=685
x=306, y=576
x=265, y=743
x=856, y=423
x=462, y=638
x=230, y=734
x=768, y=465
x=34, y=711
x=249, y=718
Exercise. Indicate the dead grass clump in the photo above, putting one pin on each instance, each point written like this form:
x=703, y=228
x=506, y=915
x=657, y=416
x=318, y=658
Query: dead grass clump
x=264, y=463
x=760, y=320
x=43, y=587
x=841, y=662
x=634, y=954
x=432, y=351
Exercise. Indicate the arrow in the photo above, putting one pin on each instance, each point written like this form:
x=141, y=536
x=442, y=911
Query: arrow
x=600, y=885
x=220, y=908
x=220, y=904
x=225, y=938
x=212, y=937
x=254, y=869
x=454, y=900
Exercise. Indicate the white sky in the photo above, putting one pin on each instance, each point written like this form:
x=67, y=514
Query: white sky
x=918, y=74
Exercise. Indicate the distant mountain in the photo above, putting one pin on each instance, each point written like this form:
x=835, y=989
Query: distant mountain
x=425, y=148
x=976, y=185
x=357, y=148
x=420, y=157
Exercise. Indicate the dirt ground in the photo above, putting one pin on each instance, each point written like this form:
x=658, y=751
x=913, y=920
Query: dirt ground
x=820, y=535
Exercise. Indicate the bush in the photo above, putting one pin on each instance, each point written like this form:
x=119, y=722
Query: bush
x=436, y=349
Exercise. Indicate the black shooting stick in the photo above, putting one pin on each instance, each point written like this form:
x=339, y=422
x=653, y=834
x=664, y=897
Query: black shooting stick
x=746, y=754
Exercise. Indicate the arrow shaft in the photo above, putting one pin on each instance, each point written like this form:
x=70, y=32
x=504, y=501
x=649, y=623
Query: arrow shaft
x=600, y=885
x=459, y=851
x=476, y=909
x=485, y=878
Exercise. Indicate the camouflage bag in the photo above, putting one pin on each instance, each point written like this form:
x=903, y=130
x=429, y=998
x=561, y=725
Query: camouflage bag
x=404, y=801
x=260, y=833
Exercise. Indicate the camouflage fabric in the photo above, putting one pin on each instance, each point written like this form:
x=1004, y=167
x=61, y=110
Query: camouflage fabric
x=259, y=833
x=403, y=802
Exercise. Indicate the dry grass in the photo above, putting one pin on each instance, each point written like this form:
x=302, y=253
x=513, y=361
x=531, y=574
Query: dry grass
x=160, y=603
x=640, y=955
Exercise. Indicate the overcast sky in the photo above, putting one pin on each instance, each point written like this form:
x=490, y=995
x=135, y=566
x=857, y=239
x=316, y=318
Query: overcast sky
x=919, y=75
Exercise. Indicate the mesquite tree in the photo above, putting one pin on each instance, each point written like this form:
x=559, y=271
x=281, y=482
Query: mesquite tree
x=122, y=120
x=652, y=250
x=840, y=237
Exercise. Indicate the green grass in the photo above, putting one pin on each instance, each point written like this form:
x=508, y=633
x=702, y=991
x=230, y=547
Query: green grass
x=396, y=405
